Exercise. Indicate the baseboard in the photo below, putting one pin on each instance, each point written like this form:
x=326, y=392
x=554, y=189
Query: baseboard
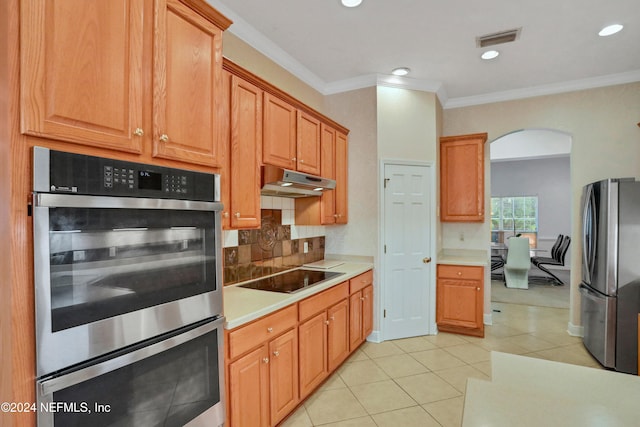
x=375, y=336
x=488, y=318
x=575, y=330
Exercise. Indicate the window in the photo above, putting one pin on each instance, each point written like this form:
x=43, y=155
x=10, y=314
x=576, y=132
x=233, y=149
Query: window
x=516, y=214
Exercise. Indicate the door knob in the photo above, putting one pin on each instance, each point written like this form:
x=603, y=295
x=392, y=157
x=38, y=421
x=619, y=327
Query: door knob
x=426, y=260
x=164, y=137
x=138, y=132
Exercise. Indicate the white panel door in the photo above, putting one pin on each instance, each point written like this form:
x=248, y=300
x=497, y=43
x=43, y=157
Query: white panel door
x=407, y=240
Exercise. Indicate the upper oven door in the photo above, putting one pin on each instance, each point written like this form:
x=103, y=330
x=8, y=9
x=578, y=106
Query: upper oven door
x=112, y=271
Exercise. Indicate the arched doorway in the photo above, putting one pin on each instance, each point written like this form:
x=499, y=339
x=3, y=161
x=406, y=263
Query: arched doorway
x=532, y=167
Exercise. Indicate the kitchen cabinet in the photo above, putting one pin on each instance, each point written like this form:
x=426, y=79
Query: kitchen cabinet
x=88, y=77
x=249, y=386
x=82, y=76
x=342, y=181
x=263, y=383
x=187, y=84
x=279, y=133
x=360, y=309
x=291, y=137
x=323, y=335
x=242, y=198
x=460, y=299
x=332, y=206
x=462, y=178
x=308, y=144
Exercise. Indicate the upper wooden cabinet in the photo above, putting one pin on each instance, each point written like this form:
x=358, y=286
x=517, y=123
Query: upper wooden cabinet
x=342, y=178
x=308, y=144
x=328, y=170
x=279, y=133
x=244, y=154
x=81, y=71
x=186, y=85
x=462, y=178
x=87, y=73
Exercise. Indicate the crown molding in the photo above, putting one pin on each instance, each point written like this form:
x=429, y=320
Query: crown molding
x=268, y=48
x=551, y=89
x=262, y=44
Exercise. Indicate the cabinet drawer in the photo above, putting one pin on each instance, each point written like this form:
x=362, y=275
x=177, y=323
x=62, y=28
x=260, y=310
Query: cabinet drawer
x=361, y=281
x=324, y=300
x=460, y=272
x=247, y=337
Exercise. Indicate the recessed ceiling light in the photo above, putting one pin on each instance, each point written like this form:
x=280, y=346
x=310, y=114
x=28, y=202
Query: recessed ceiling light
x=401, y=71
x=351, y=3
x=490, y=54
x=610, y=29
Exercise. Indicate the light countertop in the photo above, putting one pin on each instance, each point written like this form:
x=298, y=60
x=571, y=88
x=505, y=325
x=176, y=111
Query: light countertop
x=538, y=392
x=464, y=257
x=242, y=305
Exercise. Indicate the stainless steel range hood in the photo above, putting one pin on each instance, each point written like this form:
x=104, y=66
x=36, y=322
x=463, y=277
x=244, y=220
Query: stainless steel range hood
x=287, y=183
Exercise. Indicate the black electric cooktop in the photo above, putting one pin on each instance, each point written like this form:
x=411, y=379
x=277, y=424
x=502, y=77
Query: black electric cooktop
x=291, y=281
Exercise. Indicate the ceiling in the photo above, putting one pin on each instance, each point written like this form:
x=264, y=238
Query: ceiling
x=334, y=49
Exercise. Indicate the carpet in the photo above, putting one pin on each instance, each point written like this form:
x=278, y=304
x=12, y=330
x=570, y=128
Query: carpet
x=539, y=293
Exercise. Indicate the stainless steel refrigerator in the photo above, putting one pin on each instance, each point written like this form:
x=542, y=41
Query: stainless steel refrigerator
x=610, y=288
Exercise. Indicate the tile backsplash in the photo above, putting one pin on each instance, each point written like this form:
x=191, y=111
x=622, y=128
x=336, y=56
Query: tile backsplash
x=276, y=246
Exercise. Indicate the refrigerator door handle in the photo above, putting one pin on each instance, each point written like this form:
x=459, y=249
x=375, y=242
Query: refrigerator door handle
x=588, y=230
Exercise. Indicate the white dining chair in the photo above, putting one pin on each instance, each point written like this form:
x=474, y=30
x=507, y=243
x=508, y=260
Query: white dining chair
x=516, y=269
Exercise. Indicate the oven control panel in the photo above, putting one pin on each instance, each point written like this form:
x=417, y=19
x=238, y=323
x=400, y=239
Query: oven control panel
x=80, y=174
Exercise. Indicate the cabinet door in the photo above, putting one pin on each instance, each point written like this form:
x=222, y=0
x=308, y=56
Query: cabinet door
x=313, y=353
x=308, y=146
x=249, y=389
x=367, y=311
x=246, y=133
x=342, y=181
x=459, y=303
x=279, y=143
x=338, y=334
x=355, y=320
x=328, y=170
x=283, y=353
x=187, y=85
x=462, y=178
x=225, y=141
x=82, y=71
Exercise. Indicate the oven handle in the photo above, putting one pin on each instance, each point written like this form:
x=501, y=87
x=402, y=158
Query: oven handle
x=81, y=201
x=52, y=385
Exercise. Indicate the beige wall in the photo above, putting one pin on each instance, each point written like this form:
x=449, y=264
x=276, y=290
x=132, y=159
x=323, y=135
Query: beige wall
x=606, y=142
x=247, y=57
x=407, y=124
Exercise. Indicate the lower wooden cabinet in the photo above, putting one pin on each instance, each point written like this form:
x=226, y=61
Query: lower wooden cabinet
x=278, y=360
x=249, y=389
x=460, y=299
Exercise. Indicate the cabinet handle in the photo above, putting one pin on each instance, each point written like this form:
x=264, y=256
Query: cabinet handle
x=335, y=215
x=265, y=360
x=293, y=159
x=269, y=329
x=459, y=273
x=276, y=353
x=326, y=322
x=301, y=160
x=477, y=289
x=361, y=298
x=164, y=137
x=138, y=132
x=426, y=260
x=237, y=214
x=225, y=214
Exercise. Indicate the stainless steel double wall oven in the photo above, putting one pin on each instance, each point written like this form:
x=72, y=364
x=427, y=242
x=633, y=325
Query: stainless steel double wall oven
x=128, y=288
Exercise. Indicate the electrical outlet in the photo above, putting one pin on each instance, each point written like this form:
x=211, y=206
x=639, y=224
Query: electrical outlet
x=305, y=247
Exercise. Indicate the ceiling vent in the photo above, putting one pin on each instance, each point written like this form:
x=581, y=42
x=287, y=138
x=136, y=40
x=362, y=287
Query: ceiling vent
x=498, y=38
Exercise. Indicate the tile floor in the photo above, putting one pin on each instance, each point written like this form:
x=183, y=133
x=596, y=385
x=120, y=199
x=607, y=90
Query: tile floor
x=421, y=381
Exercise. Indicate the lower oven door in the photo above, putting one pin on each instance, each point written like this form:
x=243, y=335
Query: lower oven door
x=175, y=380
